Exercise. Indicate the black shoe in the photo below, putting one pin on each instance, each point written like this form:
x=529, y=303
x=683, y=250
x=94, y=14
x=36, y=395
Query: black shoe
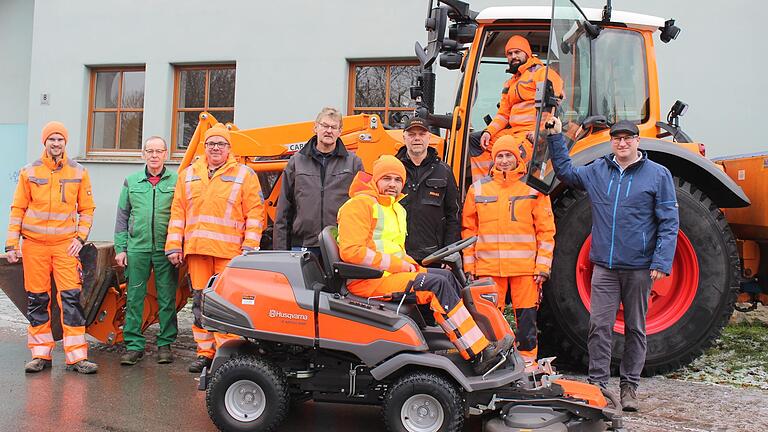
x=37, y=365
x=164, y=354
x=198, y=365
x=490, y=356
x=131, y=357
x=629, y=400
x=84, y=367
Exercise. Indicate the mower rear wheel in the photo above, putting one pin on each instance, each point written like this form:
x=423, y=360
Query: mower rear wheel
x=247, y=394
x=423, y=402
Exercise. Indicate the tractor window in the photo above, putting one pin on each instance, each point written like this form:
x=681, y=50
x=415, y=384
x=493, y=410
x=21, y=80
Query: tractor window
x=492, y=72
x=620, y=82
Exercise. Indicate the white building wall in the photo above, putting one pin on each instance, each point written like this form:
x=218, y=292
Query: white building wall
x=292, y=59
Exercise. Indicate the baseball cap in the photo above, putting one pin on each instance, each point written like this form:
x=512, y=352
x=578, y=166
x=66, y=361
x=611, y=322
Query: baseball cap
x=624, y=126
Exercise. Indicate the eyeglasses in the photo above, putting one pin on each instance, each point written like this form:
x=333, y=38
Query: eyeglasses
x=216, y=144
x=322, y=126
x=154, y=152
x=617, y=140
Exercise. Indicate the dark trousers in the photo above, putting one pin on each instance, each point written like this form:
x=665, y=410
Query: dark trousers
x=610, y=288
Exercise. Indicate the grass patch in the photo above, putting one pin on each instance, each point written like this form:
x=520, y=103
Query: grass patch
x=739, y=357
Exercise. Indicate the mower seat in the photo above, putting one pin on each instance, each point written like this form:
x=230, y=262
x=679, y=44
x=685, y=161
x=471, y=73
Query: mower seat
x=337, y=272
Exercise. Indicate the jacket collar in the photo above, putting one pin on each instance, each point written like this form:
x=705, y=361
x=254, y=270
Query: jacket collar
x=610, y=159
x=530, y=63
x=163, y=174
x=310, y=149
x=48, y=161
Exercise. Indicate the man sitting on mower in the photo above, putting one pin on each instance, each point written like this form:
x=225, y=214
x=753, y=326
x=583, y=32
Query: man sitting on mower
x=372, y=231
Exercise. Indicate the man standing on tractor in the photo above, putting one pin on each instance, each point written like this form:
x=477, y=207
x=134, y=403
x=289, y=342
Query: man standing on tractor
x=52, y=211
x=517, y=107
x=315, y=183
x=634, y=234
x=217, y=214
x=431, y=195
x=143, y=211
x=515, y=232
x=372, y=231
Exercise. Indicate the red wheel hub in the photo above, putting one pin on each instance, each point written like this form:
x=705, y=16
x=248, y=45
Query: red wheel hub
x=670, y=297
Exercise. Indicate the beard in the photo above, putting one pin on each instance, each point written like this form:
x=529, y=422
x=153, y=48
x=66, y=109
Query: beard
x=514, y=66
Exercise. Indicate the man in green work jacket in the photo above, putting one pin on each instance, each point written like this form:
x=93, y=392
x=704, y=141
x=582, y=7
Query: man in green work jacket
x=142, y=224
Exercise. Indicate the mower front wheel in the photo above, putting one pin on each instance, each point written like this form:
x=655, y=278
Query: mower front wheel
x=423, y=402
x=247, y=394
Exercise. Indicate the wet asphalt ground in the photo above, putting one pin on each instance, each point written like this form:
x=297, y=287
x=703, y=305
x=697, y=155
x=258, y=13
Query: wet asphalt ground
x=152, y=397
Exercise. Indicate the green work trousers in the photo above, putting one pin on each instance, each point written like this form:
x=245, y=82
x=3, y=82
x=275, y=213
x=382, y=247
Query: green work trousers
x=137, y=272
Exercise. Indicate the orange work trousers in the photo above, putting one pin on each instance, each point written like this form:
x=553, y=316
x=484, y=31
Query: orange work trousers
x=524, y=295
x=439, y=289
x=40, y=259
x=201, y=268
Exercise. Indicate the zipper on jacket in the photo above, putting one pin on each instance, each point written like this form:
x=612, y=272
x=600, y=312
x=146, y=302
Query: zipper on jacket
x=613, y=223
x=153, y=216
x=629, y=186
x=644, y=244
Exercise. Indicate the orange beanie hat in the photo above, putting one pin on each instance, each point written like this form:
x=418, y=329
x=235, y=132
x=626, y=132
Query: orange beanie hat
x=388, y=164
x=55, y=127
x=520, y=43
x=507, y=143
x=218, y=130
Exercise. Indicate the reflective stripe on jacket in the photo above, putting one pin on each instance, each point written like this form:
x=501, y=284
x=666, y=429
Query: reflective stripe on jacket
x=53, y=203
x=372, y=228
x=514, y=225
x=517, y=108
x=221, y=216
x=143, y=212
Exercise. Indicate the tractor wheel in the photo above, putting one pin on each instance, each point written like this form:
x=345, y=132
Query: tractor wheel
x=686, y=312
x=423, y=402
x=247, y=394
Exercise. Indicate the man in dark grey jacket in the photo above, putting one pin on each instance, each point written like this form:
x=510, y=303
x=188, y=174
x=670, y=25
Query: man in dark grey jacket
x=634, y=235
x=315, y=183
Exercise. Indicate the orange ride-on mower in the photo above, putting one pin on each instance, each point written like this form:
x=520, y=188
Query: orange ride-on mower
x=306, y=338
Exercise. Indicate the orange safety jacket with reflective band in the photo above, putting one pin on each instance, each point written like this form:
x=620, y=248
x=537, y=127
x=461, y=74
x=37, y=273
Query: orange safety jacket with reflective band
x=221, y=216
x=517, y=107
x=372, y=228
x=514, y=226
x=53, y=203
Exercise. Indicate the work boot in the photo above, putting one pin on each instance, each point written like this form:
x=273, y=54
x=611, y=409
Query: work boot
x=84, y=367
x=37, y=365
x=131, y=357
x=164, y=354
x=489, y=357
x=198, y=365
x=629, y=400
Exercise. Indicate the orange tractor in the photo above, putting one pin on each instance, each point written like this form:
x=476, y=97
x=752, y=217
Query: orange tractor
x=607, y=63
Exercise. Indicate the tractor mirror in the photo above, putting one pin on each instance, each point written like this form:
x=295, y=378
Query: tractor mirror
x=669, y=32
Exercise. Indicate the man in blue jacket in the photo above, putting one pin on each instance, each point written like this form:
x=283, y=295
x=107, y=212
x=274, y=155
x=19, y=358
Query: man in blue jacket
x=634, y=235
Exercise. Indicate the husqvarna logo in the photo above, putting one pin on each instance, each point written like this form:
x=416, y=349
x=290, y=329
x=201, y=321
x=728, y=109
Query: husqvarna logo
x=294, y=316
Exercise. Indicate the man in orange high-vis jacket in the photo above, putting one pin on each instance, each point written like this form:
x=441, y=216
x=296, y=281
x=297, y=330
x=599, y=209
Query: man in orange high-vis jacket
x=52, y=211
x=515, y=230
x=517, y=107
x=217, y=214
x=372, y=231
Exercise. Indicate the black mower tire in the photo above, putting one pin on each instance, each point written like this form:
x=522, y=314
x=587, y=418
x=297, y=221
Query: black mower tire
x=564, y=320
x=418, y=384
x=269, y=379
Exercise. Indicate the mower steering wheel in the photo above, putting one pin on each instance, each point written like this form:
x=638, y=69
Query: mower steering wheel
x=448, y=250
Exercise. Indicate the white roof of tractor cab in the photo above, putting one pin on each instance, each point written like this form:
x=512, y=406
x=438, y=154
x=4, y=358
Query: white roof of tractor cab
x=632, y=20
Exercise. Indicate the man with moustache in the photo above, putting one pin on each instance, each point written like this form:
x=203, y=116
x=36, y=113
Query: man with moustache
x=52, y=211
x=431, y=195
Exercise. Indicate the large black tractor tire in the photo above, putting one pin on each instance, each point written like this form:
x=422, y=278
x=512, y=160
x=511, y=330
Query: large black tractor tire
x=423, y=402
x=247, y=393
x=564, y=319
